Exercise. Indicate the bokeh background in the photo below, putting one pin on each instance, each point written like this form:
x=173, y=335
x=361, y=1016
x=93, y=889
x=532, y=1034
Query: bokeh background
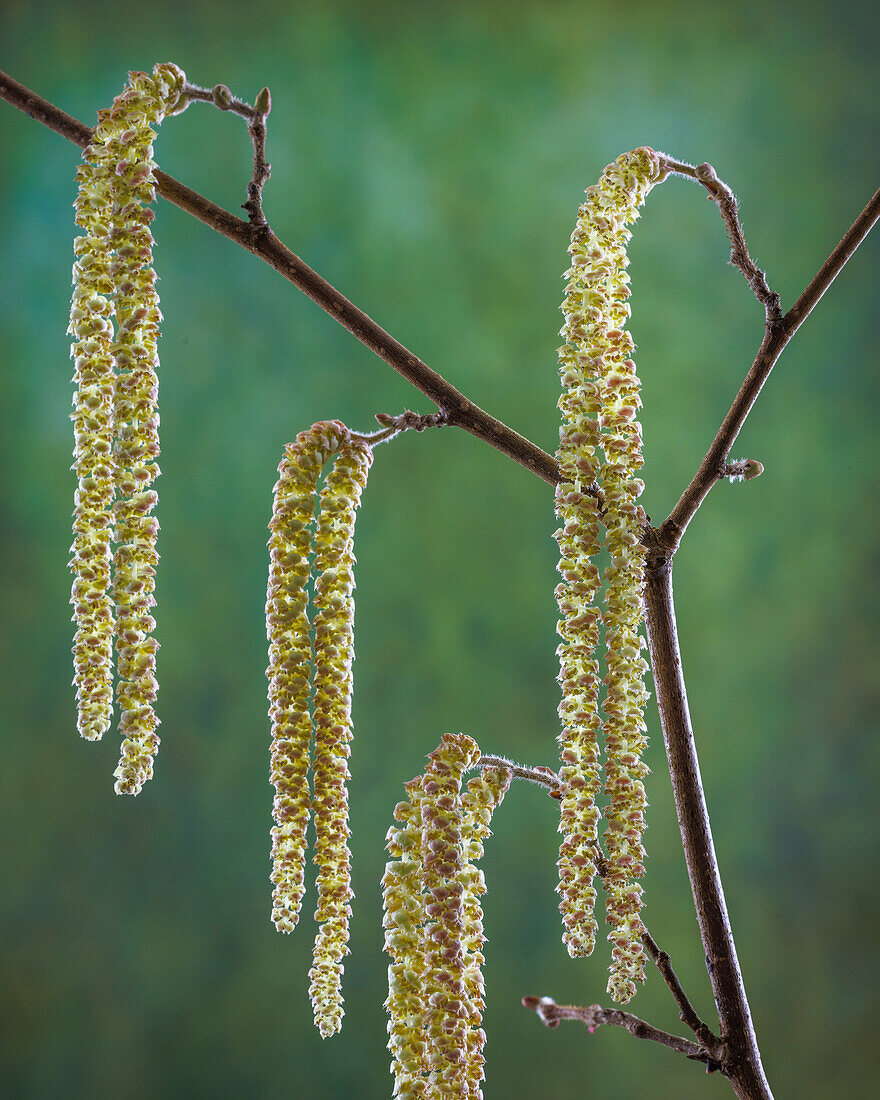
x=428, y=160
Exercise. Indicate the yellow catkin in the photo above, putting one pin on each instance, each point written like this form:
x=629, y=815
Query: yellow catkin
x=310, y=690
x=434, y=925
x=115, y=418
x=290, y=659
x=479, y=802
x=334, y=654
x=446, y=1015
x=599, y=406
x=92, y=330
x=403, y=921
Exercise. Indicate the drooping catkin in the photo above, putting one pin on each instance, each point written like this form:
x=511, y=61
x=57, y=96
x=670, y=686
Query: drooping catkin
x=434, y=926
x=334, y=654
x=446, y=1017
x=92, y=329
x=599, y=406
x=310, y=690
x=479, y=802
x=116, y=424
x=290, y=659
x=403, y=905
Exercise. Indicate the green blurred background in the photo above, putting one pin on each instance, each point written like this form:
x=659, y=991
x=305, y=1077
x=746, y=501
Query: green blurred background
x=428, y=160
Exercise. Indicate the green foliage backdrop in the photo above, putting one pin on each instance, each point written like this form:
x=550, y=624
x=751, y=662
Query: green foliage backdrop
x=428, y=159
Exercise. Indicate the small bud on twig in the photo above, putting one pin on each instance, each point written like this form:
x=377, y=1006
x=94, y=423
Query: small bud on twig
x=742, y=469
x=221, y=96
x=263, y=102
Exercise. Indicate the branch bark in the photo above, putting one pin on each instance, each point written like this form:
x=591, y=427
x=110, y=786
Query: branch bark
x=741, y=1062
x=777, y=334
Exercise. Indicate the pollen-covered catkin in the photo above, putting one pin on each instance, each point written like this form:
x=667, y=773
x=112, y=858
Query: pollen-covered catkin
x=599, y=407
x=115, y=418
x=434, y=925
x=92, y=330
x=334, y=654
x=478, y=802
x=290, y=659
x=404, y=916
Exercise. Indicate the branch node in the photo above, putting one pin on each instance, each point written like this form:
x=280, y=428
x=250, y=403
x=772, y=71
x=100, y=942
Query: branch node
x=742, y=469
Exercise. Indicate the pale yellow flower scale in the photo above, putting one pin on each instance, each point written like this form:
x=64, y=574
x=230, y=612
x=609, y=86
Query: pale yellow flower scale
x=92, y=330
x=124, y=142
x=434, y=925
x=628, y=182
x=446, y=1019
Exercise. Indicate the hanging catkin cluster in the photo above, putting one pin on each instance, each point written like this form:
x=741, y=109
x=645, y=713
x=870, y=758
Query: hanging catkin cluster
x=600, y=448
x=434, y=925
x=307, y=706
x=116, y=422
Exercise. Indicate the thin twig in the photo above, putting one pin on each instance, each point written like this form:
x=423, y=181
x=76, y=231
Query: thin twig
x=775, y=339
x=394, y=425
x=548, y=778
x=724, y=198
x=550, y=1013
x=544, y=777
x=255, y=116
x=686, y=1012
x=262, y=169
x=411, y=421
x=457, y=409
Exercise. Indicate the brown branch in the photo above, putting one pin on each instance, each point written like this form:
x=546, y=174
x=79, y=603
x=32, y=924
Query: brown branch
x=742, y=1062
x=550, y=1013
x=776, y=336
x=456, y=409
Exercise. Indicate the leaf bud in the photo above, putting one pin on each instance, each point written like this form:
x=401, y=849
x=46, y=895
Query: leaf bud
x=221, y=96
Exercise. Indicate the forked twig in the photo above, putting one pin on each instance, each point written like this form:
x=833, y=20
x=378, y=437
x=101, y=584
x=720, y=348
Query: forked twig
x=551, y=1014
x=255, y=116
x=549, y=779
